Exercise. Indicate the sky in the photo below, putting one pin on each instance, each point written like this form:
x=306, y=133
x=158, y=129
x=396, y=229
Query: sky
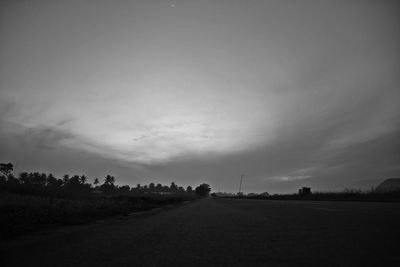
x=288, y=93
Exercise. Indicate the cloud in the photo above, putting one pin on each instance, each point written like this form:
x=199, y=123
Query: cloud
x=290, y=178
x=286, y=95
x=38, y=137
x=44, y=138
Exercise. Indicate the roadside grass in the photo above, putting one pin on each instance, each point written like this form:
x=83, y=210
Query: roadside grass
x=21, y=214
x=346, y=195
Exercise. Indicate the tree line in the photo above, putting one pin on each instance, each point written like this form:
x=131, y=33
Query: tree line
x=77, y=185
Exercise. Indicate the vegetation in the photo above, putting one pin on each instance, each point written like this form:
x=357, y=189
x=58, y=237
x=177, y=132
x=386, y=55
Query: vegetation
x=202, y=190
x=35, y=200
x=77, y=186
x=346, y=195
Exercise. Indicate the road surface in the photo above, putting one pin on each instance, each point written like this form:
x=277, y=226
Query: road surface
x=224, y=232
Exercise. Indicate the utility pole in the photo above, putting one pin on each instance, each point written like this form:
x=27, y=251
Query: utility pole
x=241, y=180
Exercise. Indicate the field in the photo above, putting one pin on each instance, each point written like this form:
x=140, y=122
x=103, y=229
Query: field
x=225, y=232
x=21, y=214
x=372, y=195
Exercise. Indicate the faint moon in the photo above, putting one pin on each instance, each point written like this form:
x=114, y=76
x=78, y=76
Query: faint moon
x=172, y=5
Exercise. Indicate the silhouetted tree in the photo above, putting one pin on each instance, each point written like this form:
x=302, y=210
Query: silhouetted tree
x=82, y=179
x=50, y=180
x=109, y=180
x=152, y=187
x=124, y=189
x=202, y=190
x=34, y=179
x=165, y=189
x=53, y=183
x=24, y=178
x=76, y=185
x=7, y=180
x=173, y=187
x=6, y=168
x=74, y=181
x=136, y=190
x=189, y=190
x=144, y=189
x=181, y=190
x=159, y=188
x=108, y=186
x=65, y=179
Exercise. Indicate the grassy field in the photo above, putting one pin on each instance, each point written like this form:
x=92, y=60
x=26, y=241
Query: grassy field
x=20, y=214
x=347, y=195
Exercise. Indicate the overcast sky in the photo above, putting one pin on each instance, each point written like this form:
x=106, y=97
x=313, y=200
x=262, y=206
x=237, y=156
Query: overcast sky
x=289, y=93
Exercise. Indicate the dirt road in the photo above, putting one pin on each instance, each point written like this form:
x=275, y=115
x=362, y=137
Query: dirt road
x=224, y=232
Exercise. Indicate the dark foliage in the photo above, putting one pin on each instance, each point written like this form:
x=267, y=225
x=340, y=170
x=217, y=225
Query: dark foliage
x=202, y=190
x=21, y=214
x=6, y=168
x=76, y=186
x=35, y=200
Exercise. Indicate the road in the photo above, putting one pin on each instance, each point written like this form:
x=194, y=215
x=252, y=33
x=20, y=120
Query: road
x=224, y=232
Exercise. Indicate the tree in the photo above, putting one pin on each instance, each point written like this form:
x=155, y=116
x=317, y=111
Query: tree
x=202, y=190
x=24, y=177
x=75, y=185
x=108, y=186
x=53, y=182
x=34, y=179
x=189, y=190
x=109, y=180
x=159, y=187
x=96, y=181
x=6, y=168
x=124, y=189
x=152, y=186
x=82, y=179
x=165, y=189
x=65, y=179
x=173, y=187
x=74, y=181
x=144, y=189
x=181, y=190
x=136, y=190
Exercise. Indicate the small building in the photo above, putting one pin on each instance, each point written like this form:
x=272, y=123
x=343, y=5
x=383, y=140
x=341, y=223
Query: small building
x=304, y=191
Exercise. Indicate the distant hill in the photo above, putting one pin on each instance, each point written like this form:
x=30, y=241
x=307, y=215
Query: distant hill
x=391, y=184
x=365, y=184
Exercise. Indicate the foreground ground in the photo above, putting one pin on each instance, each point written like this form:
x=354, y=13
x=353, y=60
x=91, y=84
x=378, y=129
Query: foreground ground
x=224, y=232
